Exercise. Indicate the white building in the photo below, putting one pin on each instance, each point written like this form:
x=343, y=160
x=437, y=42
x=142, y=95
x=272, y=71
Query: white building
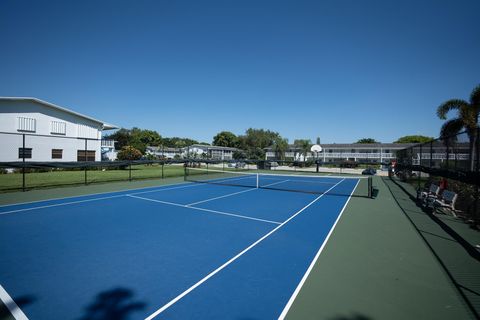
x=209, y=152
x=164, y=152
x=369, y=152
x=41, y=131
x=195, y=151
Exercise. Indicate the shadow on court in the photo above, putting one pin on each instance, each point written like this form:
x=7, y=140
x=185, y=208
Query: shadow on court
x=115, y=304
x=21, y=302
x=455, y=254
x=355, y=316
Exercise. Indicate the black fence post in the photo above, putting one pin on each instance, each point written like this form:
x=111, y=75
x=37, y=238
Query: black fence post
x=23, y=160
x=129, y=171
x=476, y=212
x=419, y=166
x=163, y=176
x=431, y=154
x=85, y=159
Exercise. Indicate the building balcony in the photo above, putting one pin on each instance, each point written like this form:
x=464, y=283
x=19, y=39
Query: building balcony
x=108, y=144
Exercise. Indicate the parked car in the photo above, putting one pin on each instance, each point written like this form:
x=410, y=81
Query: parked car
x=369, y=171
x=236, y=164
x=271, y=165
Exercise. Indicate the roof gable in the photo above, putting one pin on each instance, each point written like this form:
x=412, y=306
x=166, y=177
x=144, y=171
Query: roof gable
x=105, y=126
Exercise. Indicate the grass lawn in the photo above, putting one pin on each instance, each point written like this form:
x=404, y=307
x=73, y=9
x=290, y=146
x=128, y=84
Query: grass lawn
x=13, y=181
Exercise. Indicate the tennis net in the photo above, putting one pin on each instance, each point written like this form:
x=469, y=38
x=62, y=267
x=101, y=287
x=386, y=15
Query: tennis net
x=334, y=185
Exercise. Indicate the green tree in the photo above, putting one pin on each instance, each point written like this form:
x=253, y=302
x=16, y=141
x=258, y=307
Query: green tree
x=135, y=137
x=225, y=139
x=467, y=118
x=176, y=142
x=367, y=140
x=304, y=146
x=280, y=146
x=414, y=139
x=129, y=153
x=239, y=155
x=121, y=137
x=254, y=141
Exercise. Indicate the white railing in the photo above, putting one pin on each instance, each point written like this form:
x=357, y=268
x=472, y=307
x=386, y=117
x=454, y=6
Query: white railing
x=108, y=143
x=341, y=155
x=443, y=156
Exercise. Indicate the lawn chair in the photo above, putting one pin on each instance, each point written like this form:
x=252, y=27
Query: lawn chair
x=446, y=202
x=427, y=197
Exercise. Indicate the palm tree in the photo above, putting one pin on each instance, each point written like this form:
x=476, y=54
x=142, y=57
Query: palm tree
x=468, y=113
x=304, y=145
x=280, y=146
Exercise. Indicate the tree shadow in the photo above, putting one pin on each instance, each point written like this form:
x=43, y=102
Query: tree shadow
x=355, y=316
x=115, y=304
x=20, y=303
x=452, y=272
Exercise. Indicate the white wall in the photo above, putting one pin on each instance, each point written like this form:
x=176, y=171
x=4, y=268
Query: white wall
x=42, y=147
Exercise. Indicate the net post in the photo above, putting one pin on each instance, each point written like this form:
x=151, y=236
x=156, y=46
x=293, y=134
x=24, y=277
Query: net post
x=257, y=182
x=163, y=176
x=370, y=187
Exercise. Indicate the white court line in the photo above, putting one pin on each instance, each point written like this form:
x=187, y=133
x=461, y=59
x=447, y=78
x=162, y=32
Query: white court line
x=61, y=204
x=232, y=194
x=203, y=209
x=92, y=194
x=94, y=199
x=157, y=189
x=307, y=273
x=223, y=266
x=16, y=312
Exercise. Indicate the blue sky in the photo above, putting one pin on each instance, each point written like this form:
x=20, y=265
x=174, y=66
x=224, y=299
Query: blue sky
x=341, y=70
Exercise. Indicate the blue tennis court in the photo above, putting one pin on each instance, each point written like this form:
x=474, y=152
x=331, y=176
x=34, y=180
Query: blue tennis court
x=191, y=250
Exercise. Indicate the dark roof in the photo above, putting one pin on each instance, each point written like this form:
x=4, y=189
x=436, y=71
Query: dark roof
x=357, y=146
x=211, y=147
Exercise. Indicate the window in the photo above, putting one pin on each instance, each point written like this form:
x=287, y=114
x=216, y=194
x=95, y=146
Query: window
x=90, y=156
x=57, y=127
x=25, y=153
x=57, y=153
x=26, y=124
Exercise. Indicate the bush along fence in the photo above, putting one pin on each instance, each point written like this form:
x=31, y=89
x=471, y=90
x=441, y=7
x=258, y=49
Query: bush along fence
x=454, y=158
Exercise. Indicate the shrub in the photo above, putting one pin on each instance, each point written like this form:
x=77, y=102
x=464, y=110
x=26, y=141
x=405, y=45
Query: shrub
x=129, y=153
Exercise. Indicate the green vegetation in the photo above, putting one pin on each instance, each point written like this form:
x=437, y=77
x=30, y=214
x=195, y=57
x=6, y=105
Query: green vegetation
x=141, y=138
x=467, y=118
x=12, y=181
x=413, y=139
x=367, y=140
x=304, y=146
x=129, y=153
x=225, y=139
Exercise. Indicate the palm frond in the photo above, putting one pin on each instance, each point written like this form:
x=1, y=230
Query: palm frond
x=475, y=97
x=453, y=104
x=451, y=127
